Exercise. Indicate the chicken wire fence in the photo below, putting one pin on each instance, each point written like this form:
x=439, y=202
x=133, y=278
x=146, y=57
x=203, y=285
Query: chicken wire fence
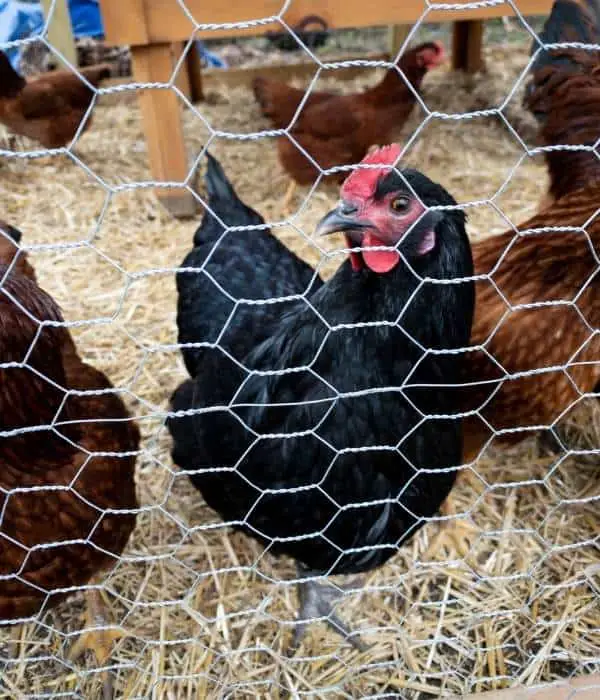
x=504, y=592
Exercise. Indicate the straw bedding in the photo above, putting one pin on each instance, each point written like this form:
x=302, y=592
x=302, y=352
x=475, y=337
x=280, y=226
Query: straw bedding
x=206, y=612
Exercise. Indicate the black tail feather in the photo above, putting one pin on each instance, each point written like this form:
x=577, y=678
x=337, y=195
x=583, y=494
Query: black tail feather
x=217, y=184
x=225, y=203
x=12, y=232
x=11, y=83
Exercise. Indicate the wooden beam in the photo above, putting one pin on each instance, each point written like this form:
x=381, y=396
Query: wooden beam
x=148, y=21
x=581, y=688
x=161, y=114
x=397, y=34
x=236, y=77
x=182, y=79
x=467, y=44
x=127, y=18
x=215, y=78
x=60, y=32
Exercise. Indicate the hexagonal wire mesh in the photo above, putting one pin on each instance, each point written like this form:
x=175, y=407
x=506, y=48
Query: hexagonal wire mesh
x=189, y=607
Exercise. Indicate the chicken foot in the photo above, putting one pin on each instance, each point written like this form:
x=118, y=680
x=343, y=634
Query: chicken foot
x=317, y=600
x=99, y=641
x=287, y=198
x=457, y=533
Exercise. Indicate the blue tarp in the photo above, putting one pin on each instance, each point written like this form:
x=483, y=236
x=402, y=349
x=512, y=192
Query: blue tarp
x=19, y=20
x=86, y=19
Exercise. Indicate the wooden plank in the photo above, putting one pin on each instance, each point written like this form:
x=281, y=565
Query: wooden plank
x=60, y=32
x=161, y=115
x=236, y=77
x=127, y=18
x=581, y=688
x=214, y=78
x=182, y=79
x=397, y=34
x=467, y=45
x=171, y=25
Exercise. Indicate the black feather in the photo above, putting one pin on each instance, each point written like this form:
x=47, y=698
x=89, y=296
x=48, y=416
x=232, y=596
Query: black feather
x=12, y=232
x=229, y=265
x=11, y=83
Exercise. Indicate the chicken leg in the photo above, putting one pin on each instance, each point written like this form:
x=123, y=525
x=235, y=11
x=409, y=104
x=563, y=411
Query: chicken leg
x=457, y=533
x=99, y=641
x=317, y=600
x=287, y=198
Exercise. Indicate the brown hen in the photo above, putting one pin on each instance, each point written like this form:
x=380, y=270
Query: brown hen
x=48, y=108
x=67, y=458
x=339, y=129
x=537, y=313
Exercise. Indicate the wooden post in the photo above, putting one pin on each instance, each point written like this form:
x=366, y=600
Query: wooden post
x=467, y=39
x=397, y=34
x=161, y=114
x=60, y=32
x=194, y=68
x=580, y=688
x=189, y=77
x=182, y=79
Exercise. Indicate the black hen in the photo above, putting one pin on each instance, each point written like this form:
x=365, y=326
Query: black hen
x=328, y=455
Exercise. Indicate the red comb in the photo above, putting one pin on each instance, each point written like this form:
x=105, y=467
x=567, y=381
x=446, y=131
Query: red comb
x=441, y=50
x=361, y=183
x=441, y=54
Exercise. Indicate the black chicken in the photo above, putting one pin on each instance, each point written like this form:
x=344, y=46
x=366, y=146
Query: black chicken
x=308, y=429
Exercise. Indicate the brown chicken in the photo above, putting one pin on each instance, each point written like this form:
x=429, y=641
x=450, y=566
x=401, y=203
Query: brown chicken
x=67, y=459
x=339, y=129
x=48, y=108
x=538, y=312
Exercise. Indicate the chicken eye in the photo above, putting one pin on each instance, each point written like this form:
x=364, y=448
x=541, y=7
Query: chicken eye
x=400, y=204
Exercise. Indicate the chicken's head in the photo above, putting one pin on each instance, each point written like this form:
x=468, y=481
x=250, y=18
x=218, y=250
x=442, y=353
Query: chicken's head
x=386, y=214
x=429, y=55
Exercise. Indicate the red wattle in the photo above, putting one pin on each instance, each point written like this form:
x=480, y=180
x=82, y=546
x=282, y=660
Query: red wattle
x=380, y=261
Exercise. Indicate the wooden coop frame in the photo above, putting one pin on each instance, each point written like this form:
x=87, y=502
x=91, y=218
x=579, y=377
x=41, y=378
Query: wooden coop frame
x=60, y=31
x=156, y=31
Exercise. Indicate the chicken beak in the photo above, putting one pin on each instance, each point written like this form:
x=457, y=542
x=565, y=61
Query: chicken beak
x=339, y=222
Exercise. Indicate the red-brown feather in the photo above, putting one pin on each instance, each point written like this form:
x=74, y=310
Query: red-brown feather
x=48, y=108
x=338, y=130
x=56, y=480
x=548, y=267
x=551, y=266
